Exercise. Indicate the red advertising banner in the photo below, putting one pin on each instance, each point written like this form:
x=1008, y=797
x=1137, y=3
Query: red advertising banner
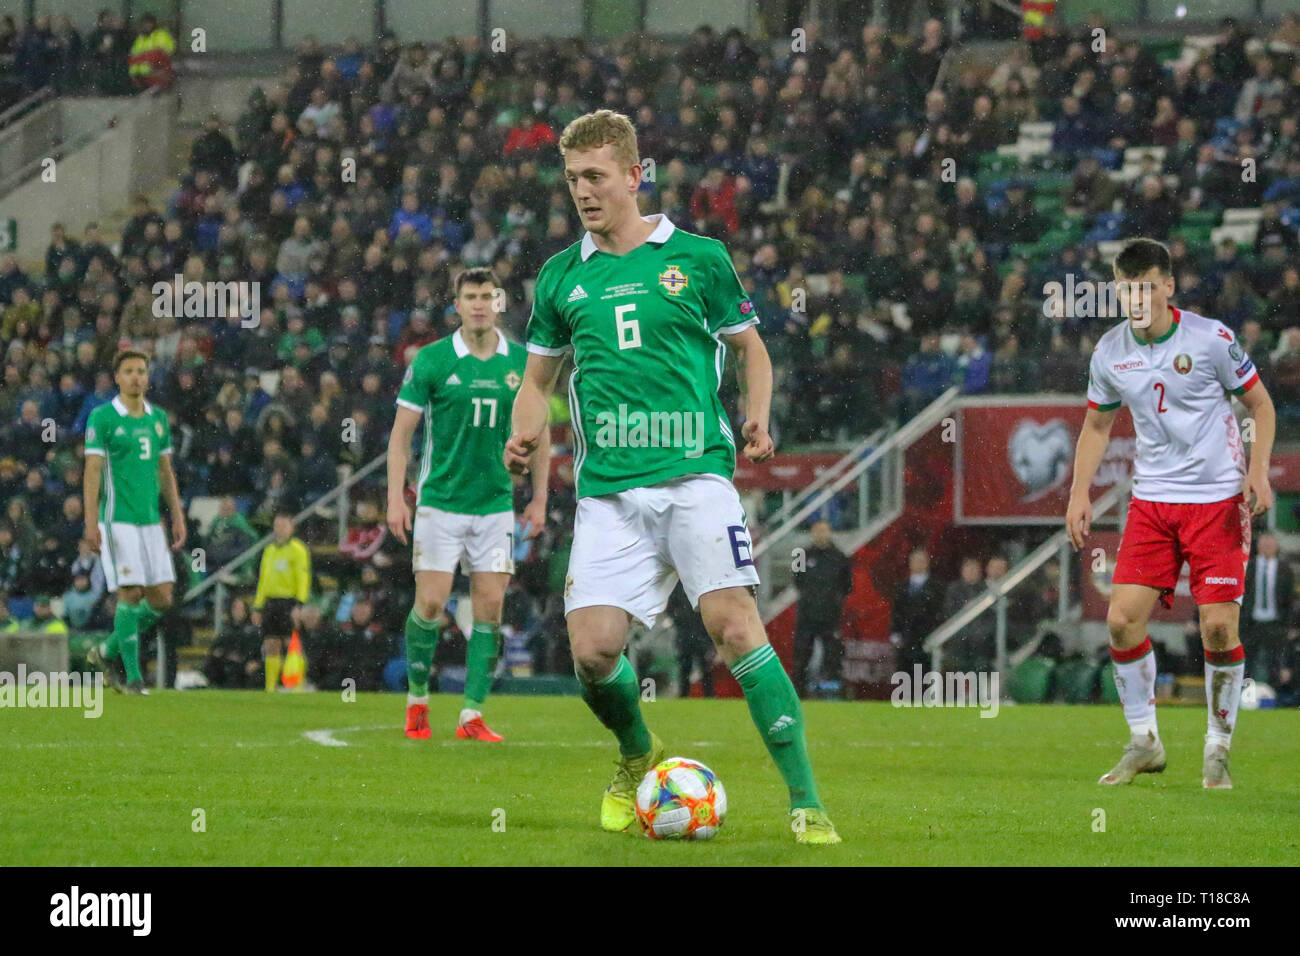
x=1015, y=460
x=1097, y=572
x=782, y=472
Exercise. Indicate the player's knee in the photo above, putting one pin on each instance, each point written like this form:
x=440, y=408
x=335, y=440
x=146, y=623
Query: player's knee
x=1121, y=622
x=488, y=609
x=1216, y=635
x=592, y=662
x=730, y=632
x=160, y=602
x=429, y=608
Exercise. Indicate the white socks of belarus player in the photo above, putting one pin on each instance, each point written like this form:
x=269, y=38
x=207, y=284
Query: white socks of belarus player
x=1223, y=674
x=1135, y=680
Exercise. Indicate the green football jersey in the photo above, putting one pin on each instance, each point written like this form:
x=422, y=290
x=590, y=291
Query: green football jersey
x=645, y=331
x=466, y=403
x=131, y=446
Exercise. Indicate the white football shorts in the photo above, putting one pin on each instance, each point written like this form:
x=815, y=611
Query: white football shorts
x=630, y=548
x=134, y=555
x=477, y=542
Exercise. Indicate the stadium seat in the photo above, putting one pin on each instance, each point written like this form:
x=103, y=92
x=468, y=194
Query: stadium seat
x=1243, y=234
x=1237, y=217
x=1201, y=217
x=1031, y=680
x=1074, y=681
x=1036, y=130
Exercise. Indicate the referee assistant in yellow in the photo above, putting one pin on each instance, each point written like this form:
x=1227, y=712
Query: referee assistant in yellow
x=283, y=583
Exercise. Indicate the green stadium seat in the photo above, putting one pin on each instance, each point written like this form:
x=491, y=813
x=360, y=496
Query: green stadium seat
x=1049, y=204
x=1074, y=681
x=1109, y=692
x=1201, y=217
x=1031, y=680
x=856, y=282
x=1192, y=235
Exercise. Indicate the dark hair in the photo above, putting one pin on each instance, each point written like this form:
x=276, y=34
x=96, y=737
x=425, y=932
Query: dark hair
x=1143, y=254
x=475, y=276
x=125, y=354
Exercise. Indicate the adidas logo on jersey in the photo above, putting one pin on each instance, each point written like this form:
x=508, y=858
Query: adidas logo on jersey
x=453, y=379
x=577, y=293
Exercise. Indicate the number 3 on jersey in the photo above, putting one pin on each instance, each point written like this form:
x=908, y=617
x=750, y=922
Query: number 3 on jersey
x=629, y=330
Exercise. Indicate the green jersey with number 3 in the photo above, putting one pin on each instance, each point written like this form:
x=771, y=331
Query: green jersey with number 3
x=130, y=446
x=645, y=331
x=466, y=404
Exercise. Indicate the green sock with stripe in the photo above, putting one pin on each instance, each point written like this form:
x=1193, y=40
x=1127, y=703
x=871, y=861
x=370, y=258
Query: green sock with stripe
x=481, y=662
x=616, y=702
x=421, y=639
x=775, y=709
x=126, y=638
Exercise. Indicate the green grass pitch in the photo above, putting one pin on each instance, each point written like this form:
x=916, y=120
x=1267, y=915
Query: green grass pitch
x=905, y=786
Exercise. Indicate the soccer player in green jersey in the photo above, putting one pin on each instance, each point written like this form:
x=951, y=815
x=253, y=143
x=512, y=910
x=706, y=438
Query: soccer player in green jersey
x=649, y=311
x=463, y=386
x=129, y=456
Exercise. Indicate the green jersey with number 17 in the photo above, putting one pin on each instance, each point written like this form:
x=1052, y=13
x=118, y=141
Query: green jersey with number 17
x=466, y=403
x=645, y=328
x=130, y=446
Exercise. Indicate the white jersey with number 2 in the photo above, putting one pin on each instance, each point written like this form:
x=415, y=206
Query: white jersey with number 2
x=1176, y=387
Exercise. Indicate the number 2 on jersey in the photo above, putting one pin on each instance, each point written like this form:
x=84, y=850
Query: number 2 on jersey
x=1160, y=402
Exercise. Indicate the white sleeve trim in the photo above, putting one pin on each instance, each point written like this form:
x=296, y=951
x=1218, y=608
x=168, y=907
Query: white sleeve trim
x=547, y=350
x=411, y=405
x=164, y=451
x=96, y=451
x=734, y=329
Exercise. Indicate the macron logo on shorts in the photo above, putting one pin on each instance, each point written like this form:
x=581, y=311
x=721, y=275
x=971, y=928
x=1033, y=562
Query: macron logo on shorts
x=1220, y=580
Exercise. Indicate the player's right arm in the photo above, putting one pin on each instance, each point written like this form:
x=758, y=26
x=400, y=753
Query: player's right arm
x=529, y=414
x=399, y=450
x=1088, y=453
x=90, y=498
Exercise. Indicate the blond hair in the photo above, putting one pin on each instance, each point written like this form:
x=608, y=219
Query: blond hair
x=603, y=127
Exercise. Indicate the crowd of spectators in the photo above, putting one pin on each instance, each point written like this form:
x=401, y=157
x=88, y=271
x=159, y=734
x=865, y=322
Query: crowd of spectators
x=110, y=59
x=845, y=182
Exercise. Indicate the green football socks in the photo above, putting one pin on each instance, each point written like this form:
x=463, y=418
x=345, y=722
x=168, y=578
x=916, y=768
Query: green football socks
x=616, y=702
x=776, y=712
x=126, y=639
x=421, y=639
x=480, y=662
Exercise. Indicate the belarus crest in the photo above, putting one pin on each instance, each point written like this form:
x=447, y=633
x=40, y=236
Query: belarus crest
x=1183, y=364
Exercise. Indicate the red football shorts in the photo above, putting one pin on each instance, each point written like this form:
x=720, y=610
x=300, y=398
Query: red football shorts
x=1213, y=537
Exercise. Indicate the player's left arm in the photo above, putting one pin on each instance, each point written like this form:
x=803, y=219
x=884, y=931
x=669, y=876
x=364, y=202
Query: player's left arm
x=755, y=380
x=1259, y=409
x=172, y=495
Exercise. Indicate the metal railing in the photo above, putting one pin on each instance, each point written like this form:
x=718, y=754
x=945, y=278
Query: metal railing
x=1058, y=545
x=855, y=453
x=879, y=480
x=217, y=580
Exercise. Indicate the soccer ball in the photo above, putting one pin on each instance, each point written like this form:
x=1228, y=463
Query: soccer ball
x=681, y=799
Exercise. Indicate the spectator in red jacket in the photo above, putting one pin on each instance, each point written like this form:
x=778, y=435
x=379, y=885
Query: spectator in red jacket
x=366, y=536
x=713, y=204
x=530, y=133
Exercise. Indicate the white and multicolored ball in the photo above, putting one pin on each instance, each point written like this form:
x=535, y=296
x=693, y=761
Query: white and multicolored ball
x=681, y=799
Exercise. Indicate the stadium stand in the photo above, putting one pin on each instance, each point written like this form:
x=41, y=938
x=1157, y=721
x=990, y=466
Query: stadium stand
x=895, y=205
